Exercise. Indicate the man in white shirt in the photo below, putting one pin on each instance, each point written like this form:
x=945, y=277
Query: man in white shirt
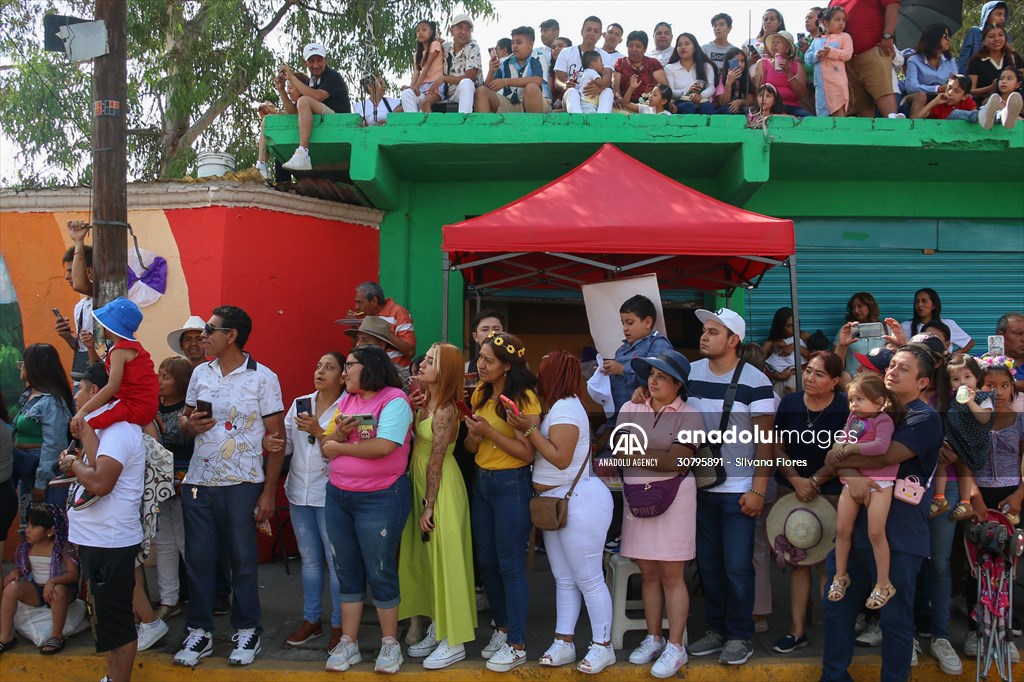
x=727, y=513
x=109, y=530
x=570, y=62
x=81, y=340
x=232, y=402
x=375, y=108
x=610, y=49
x=663, y=47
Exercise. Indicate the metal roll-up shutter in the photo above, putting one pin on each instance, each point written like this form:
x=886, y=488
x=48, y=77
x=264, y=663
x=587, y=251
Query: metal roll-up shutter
x=975, y=287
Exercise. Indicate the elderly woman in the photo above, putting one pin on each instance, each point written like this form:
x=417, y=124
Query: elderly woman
x=368, y=500
x=662, y=539
x=820, y=409
x=790, y=79
x=635, y=74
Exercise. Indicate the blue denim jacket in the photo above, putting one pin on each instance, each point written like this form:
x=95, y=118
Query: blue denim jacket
x=624, y=384
x=53, y=414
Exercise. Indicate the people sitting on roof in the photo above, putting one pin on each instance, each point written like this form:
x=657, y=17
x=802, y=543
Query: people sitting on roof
x=461, y=67
x=375, y=108
x=324, y=93
x=289, y=97
x=568, y=70
x=516, y=84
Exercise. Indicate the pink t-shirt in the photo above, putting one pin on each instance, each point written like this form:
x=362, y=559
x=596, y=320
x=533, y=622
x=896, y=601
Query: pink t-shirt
x=874, y=436
x=358, y=474
x=437, y=69
x=780, y=79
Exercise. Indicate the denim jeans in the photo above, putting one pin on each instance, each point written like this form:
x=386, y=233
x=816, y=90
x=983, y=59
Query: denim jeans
x=725, y=559
x=365, y=531
x=935, y=582
x=685, y=106
x=501, y=529
x=796, y=111
x=310, y=526
x=221, y=517
x=23, y=472
x=961, y=115
x=896, y=619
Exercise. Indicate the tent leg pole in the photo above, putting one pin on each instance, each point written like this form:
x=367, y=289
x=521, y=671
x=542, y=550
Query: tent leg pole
x=444, y=298
x=797, y=358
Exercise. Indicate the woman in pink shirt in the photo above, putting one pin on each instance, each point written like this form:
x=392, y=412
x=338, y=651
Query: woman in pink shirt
x=784, y=72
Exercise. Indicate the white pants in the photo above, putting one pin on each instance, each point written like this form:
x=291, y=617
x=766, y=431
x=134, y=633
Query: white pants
x=462, y=94
x=169, y=541
x=574, y=105
x=575, y=554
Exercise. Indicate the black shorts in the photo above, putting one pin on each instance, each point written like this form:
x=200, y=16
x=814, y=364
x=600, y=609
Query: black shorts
x=42, y=600
x=110, y=578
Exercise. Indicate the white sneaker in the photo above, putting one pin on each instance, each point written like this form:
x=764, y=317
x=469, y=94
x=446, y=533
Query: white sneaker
x=944, y=653
x=198, y=644
x=1014, y=654
x=987, y=118
x=598, y=658
x=247, y=647
x=299, y=161
x=506, y=658
x=389, y=660
x=559, y=653
x=481, y=600
x=897, y=115
x=150, y=633
x=913, y=656
x=444, y=655
x=1014, y=103
x=344, y=655
x=425, y=646
x=671, y=660
x=648, y=651
x=971, y=644
x=872, y=635
x=498, y=639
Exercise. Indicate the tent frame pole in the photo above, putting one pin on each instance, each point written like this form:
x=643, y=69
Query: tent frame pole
x=445, y=266
x=797, y=358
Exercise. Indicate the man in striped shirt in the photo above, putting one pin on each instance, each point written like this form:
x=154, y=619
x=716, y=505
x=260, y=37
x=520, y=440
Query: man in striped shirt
x=370, y=300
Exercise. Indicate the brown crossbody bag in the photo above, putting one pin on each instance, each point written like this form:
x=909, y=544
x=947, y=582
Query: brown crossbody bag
x=551, y=513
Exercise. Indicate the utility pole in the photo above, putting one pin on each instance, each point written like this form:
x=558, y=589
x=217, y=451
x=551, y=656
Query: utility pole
x=109, y=158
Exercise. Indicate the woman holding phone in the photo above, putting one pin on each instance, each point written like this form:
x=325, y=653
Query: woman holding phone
x=306, y=487
x=501, y=495
x=368, y=500
x=435, y=562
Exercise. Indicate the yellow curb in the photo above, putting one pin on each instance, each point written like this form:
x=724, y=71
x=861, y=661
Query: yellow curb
x=30, y=666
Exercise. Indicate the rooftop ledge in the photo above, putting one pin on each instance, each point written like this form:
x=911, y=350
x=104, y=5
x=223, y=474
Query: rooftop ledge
x=716, y=154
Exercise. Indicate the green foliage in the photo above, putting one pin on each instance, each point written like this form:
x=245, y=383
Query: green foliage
x=195, y=68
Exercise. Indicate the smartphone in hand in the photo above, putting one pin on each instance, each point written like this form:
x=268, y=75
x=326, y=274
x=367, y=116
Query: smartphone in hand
x=204, y=406
x=303, y=405
x=462, y=407
x=510, y=404
x=56, y=313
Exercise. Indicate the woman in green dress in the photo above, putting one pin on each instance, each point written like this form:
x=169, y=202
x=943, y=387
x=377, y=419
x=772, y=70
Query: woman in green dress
x=436, y=560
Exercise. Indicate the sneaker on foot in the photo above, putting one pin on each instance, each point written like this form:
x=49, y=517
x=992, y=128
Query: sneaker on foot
x=648, y=651
x=710, y=643
x=986, y=119
x=1014, y=103
x=444, y=655
x=1014, y=653
x=559, y=653
x=971, y=644
x=872, y=635
x=164, y=611
x=343, y=656
x=598, y=658
x=425, y=646
x=198, y=644
x=736, y=652
x=247, y=647
x=861, y=623
x=299, y=161
x=305, y=632
x=506, y=658
x=944, y=653
x=389, y=660
x=498, y=639
x=150, y=633
x=789, y=644
x=913, y=656
x=761, y=626
x=671, y=660
x=481, y=600
x=418, y=627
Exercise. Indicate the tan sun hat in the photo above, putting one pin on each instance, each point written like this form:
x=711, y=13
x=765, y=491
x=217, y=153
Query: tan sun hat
x=785, y=35
x=375, y=326
x=193, y=324
x=801, y=533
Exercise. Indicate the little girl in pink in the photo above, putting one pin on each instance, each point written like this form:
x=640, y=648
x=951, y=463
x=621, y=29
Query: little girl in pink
x=874, y=411
x=827, y=55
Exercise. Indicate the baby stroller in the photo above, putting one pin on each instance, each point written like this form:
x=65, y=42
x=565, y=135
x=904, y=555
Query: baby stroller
x=992, y=549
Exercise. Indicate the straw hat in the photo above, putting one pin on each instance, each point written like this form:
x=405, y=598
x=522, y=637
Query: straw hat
x=785, y=35
x=801, y=533
x=194, y=323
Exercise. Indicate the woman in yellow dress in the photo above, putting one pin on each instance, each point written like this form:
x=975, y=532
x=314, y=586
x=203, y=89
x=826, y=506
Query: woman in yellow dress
x=436, y=559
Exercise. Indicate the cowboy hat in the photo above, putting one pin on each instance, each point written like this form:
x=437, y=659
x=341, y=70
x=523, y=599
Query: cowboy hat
x=801, y=533
x=193, y=324
x=375, y=326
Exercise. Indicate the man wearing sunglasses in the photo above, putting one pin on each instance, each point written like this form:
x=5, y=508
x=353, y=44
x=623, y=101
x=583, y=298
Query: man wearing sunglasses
x=232, y=403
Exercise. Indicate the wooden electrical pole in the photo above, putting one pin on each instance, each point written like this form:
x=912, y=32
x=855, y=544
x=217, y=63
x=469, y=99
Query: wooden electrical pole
x=109, y=158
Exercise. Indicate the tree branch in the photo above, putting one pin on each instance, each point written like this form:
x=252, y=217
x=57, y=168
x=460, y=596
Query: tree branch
x=275, y=20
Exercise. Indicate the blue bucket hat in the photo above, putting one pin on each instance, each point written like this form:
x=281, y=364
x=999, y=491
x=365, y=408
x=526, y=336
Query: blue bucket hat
x=670, y=362
x=120, y=316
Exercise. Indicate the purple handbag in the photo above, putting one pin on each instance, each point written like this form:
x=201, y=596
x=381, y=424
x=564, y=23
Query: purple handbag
x=647, y=500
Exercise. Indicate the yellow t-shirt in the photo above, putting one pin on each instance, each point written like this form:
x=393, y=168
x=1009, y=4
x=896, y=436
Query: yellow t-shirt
x=489, y=455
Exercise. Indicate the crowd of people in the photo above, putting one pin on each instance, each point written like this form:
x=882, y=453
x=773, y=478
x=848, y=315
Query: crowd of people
x=844, y=62
x=424, y=477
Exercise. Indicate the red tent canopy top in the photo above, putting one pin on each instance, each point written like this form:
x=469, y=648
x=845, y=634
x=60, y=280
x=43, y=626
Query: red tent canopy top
x=688, y=238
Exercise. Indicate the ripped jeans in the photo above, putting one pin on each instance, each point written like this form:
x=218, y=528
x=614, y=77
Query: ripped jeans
x=365, y=530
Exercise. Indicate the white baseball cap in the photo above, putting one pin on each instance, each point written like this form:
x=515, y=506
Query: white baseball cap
x=314, y=49
x=461, y=19
x=729, y=319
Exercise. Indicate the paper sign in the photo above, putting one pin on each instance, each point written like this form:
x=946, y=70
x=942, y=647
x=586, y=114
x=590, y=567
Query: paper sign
x=603, y=301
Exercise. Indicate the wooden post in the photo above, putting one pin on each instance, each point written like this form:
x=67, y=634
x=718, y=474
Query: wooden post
x=109, y=158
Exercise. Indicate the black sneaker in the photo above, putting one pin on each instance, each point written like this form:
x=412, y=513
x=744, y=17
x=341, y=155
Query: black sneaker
x=62, y=479
x=84, y=499
x=198, y=644
x=221, y=604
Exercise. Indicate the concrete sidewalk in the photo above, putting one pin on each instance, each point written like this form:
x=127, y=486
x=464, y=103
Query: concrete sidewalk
x=281, y=600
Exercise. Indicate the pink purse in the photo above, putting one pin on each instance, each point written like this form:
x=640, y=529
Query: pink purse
x=908, y=490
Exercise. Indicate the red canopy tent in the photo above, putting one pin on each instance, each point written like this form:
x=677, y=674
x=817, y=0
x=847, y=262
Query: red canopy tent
x=614, y=216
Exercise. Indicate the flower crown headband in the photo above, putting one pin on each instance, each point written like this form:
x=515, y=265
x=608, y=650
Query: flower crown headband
x=990, y=361
x=500, y=343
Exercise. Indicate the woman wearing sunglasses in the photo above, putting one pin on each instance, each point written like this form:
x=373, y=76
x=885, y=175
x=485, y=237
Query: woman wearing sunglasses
x=930, y=68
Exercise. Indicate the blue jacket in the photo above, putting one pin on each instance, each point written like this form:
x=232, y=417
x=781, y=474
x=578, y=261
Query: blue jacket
x=53, y=415
x=972, y=41
x=624, y=384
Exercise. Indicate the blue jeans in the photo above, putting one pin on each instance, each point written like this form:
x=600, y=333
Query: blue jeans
x=961, y=115
x=219, y=517
x=725, y=559
x=935, y=582
x=685, y=106
x=896, y=619
x=501, y=529
x=365, y=531
x=310, y=526
x=796, y=111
